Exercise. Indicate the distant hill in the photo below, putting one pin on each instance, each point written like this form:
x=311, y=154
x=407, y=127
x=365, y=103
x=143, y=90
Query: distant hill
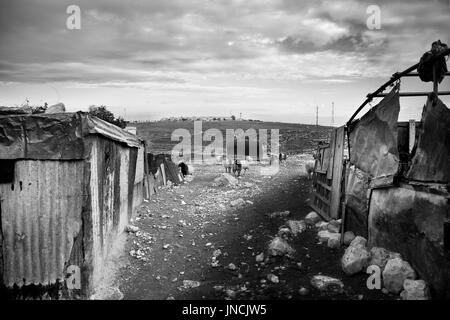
x=294, y=138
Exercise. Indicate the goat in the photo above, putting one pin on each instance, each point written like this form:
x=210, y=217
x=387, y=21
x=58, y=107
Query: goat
x=228, y=165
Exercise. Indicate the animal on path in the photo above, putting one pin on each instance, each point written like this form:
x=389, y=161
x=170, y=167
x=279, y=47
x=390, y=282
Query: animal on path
x=282, y=157
x=309, y=166
x=237, y=167
x=228, y=165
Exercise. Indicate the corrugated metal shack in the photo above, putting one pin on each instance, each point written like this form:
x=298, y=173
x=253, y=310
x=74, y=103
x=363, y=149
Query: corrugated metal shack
x=393, y=184
x=69, y=184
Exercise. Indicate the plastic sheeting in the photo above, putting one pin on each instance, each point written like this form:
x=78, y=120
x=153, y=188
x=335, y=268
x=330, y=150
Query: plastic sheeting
x=373, y=139
x=431, y=161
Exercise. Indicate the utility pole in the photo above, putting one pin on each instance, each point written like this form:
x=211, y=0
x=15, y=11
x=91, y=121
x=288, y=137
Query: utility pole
x=332, y=114
x=317, y=116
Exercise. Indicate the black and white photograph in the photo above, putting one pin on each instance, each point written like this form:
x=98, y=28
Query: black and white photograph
x=227, y=157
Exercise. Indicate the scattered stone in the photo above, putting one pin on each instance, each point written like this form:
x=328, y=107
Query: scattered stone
x=296, y=226
x=279, y=247
x=237, y=203
x=334, y=241
x=218, y=288
x=107, y=293
x=333, y=228
x=273, y=278
x=303, y=291
x=226, y=179
x=356, y=256
x=284, y=232
x=312, y=218
x=349, y=236
x=379, y=257
x=190, y=284
x=324, y=235
x=321, y=225
x=395, y=273
x=260, y=257
x=415, y=290
x=279, y=214
x=132, y=229
x=327, y=284
x=217, y=253
x=230, y=293
x=232, y=267
x=358, y=241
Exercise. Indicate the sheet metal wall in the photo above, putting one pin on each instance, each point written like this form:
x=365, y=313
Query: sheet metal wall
x=41, y=216
x=113, y=174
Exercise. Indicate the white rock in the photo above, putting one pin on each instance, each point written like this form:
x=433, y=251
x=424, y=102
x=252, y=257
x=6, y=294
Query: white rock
x=232, y=267
x=321, y=225
x=296, y=226
x=279, y=214
x=237, y=203
x=333, y=228
x=260, y=257
x=329, y=284
x=358, y=241
x=395, y=273
x=324, y=235
x=349, y=236
x=226, y=179
x=107, y=293
x=334, y=241
x=415, y=290
x=189, y=284
x=356, y=257
x=380, y=256
x=284, y=232
x=312, y=218
x=273, y=278
x=279, y=247
x=132, y=229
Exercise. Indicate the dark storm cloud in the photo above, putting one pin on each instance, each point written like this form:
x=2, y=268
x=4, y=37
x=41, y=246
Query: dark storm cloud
x=177, y=41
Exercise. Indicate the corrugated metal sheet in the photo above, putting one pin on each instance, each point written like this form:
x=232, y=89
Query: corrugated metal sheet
x=41, y=216
x=113, y=132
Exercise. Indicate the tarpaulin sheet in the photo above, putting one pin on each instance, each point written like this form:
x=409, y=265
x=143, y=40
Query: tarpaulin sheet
x=373, y=139
x=431, y=161
x=58, y=136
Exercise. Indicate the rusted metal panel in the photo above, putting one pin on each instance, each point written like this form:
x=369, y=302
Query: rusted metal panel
x=413, y=227
x=373, y=139
x=41, y=216
x=57, y=136
x=431, y=161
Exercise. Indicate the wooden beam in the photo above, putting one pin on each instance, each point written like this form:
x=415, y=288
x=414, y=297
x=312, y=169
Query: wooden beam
x=413, y=94
x=337, y=172
x=415, y=74
x=412, y=134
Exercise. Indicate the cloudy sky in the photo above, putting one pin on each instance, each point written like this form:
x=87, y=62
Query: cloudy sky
x=269, y=59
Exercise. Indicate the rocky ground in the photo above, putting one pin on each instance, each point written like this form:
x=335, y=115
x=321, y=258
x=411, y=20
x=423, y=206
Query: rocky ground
x=209, y=239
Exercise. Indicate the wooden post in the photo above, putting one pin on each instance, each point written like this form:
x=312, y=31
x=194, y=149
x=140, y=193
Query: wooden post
x=338, y=159
x=344, y=203
x=412, y=134
x=435, y=80
x=163, y=172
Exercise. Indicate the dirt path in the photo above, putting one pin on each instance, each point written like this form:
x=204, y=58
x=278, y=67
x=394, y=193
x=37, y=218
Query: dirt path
x=183, y=227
